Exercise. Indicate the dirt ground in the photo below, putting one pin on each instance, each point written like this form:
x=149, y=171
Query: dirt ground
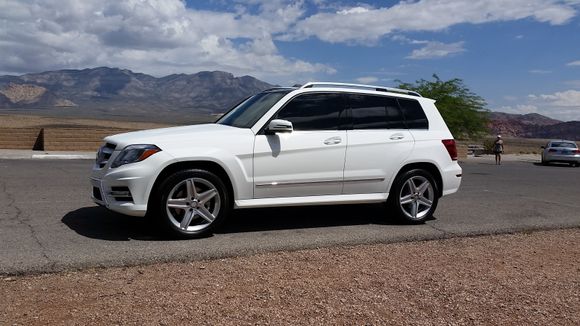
x=521, y=279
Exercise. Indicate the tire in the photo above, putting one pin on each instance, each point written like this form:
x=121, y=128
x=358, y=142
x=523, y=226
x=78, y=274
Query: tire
x=192, y=203
x=413, y=188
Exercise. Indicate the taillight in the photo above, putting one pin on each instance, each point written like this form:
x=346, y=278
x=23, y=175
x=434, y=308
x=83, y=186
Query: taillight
x=451, y=148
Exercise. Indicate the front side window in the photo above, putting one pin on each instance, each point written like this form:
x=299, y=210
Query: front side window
x=247, y=113
x=375, y=112
x=315, y=111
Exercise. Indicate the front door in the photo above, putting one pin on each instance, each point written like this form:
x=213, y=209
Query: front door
x=309, y=161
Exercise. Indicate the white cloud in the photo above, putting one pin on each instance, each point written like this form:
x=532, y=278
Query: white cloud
x=569, y=98
x=519, y=109
x=367, y=80
x=368, y=25
x=540, y=71
x=573, y=63
x=436, y=50
x=430, y=49
x=563, y=105
x=354, y=10
x=153, y=36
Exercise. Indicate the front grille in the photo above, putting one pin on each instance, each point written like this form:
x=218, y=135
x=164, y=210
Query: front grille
x=121, y=194
x=104, y=154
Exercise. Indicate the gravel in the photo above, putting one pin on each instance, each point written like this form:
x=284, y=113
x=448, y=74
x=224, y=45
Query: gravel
x=519, y=279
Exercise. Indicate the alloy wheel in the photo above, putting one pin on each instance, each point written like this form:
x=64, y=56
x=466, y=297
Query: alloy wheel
x=416, y=197
x=193, y=204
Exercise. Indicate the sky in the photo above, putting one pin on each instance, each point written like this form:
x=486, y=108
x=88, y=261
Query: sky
x=521, y=56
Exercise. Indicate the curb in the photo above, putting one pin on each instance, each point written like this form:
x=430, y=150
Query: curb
x=12, y=154
x=62, y=156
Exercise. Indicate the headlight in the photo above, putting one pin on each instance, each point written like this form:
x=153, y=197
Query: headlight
x=134, y=153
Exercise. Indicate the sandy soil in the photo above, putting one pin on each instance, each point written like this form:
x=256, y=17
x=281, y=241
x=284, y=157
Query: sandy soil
x=523, y=279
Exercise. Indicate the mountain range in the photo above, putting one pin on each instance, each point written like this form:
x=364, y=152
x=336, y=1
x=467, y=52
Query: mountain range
x=120, y=93
x=112, y=91
x=533, y=125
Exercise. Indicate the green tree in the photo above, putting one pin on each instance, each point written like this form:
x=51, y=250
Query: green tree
x=463, y=111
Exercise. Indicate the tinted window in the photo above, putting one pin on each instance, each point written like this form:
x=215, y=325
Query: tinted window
x=563, y=144
x=247, y=113
x=375, y=112
x=414, y=115
x=313, y=111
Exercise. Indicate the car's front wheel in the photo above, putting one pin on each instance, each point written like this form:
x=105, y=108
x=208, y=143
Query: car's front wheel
x=413, y=197
x=192, y=203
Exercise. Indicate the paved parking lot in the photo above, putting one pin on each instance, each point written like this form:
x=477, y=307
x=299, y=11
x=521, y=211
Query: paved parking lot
x=48, y=223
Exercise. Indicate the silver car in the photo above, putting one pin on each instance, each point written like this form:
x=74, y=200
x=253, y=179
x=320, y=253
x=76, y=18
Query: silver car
x=562, y=151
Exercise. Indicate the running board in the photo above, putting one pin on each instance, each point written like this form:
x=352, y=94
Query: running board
x=312, y=200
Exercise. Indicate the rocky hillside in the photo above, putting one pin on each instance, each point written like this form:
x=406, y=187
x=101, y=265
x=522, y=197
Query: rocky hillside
x=533, y=125
x=123, y=91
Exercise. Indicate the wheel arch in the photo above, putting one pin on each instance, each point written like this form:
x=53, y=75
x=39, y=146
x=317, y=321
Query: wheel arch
x=427, y=166
x=210, y=166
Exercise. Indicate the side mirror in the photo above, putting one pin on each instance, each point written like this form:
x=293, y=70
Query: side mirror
x=279, y=125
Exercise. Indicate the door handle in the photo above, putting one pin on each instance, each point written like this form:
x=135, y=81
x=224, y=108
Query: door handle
x=397, y=137
x=333, y=141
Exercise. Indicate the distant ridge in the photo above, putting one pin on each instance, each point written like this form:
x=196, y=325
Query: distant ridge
x=121, y=91
x=533, y=125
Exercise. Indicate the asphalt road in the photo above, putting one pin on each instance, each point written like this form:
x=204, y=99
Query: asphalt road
x=48, y=223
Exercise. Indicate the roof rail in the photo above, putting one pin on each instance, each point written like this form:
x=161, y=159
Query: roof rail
x=361, y=86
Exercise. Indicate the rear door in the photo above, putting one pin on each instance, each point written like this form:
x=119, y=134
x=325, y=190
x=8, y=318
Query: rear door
x=309, y=161
x=378, y=143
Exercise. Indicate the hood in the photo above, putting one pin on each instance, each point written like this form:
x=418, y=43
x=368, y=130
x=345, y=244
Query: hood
x=178, y=136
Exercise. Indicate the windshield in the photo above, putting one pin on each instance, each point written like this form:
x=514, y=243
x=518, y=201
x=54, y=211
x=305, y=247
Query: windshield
x=247, y=113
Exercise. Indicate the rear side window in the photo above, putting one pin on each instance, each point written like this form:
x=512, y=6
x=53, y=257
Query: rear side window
x=375, y=112
x=318, y=111
x=414, y=115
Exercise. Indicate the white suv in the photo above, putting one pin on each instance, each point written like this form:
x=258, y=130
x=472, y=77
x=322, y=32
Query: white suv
x=319, y=144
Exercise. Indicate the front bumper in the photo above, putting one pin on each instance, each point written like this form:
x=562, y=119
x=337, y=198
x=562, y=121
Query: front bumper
x=126, y=189
x=102, y=194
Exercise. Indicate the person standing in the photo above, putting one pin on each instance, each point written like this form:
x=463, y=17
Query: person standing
x=498, y=149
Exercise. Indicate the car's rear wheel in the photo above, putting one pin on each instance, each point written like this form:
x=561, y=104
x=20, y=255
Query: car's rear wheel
x=192, y=203
x=414, y=196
